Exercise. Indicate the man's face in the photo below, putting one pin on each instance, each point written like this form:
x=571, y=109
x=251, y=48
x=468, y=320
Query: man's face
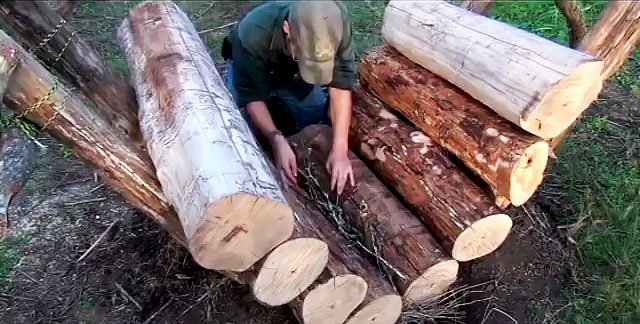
x=289, y=41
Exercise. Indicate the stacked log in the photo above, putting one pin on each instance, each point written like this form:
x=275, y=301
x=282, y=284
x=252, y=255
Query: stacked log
x=376, y=219
x=535, y=83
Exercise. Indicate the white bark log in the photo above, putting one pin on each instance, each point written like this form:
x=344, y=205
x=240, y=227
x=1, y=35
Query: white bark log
x=538, y=84
x=207, y=160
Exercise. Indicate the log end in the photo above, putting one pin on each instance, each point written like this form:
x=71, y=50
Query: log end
x=433, y=282
x=289, y=270
x=333, y=301
x=565, y=101
x=528, y=172
x=482, y=237
x=232, y=235
x=384, y=310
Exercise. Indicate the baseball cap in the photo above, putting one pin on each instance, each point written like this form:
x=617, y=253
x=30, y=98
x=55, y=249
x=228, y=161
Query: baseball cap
x=316, y=31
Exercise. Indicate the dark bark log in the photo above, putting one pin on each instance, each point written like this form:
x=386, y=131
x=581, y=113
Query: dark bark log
x=575, y=22
x=510, y=160
x=32, y=21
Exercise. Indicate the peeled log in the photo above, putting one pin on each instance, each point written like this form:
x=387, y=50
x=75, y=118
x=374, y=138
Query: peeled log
x=189, y=121
x=535, y=83
x=507, y=158
x=418, y=265
x=32, y=21
x=340, y=291
x=457, y=211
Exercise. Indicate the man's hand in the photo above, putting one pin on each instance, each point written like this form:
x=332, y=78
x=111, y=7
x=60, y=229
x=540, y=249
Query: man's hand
x=285, y=160
x=339, y=166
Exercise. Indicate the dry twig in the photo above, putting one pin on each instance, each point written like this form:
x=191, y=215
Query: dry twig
x=93, y=246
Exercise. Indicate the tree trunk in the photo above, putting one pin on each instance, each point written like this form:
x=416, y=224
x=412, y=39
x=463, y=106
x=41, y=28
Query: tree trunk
x=332, y=302
x=510, y=160
x=613, y=39
x=399, y=242
x=575, y=22
x=478, y=6
x=456, y=210
x=32, y=21
x=188, y=120
x=531, y=81
x=128, y=169
x=66, y=8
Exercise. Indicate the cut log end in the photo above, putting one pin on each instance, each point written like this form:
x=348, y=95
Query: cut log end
x=432, y=282
x=565, y=101
x=333, y=301
x=290, y=269
x=528, y=172
x=238, y=230
x=384, y=310
x=482, y=237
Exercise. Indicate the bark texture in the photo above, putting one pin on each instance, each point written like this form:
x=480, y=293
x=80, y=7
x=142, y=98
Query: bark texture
x=575, y=22
x=432, y=186
x=478, y=6
x=535, y=83
x=407, y=251
x=188, y=120
x=32, y=21
x=507, y=158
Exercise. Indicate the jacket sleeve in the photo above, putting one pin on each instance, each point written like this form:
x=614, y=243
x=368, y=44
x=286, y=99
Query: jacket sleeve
x=249, y=75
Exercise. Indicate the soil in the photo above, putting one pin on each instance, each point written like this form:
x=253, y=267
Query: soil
x=137, y=274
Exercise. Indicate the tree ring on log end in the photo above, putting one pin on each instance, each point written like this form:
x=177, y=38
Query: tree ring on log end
x=333, y=301
x=433, y=282
x=384, y=310
x=528, y=172
x=482, y=237
x=564, y=102
x=232, y=235
x=289, y=270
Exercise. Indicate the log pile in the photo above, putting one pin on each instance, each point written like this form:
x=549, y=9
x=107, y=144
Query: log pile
x=441, y=144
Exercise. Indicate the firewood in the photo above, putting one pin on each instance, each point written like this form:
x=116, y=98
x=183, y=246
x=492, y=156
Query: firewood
x=535, y=83
x=455, y=209
x=372, y=216
x=508, y=159
x=33, y=23
x=200, y=144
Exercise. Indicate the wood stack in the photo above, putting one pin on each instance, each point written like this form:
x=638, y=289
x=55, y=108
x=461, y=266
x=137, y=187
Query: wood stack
x=442, y=143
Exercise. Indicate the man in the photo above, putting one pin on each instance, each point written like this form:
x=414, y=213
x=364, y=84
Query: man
x=281, y=56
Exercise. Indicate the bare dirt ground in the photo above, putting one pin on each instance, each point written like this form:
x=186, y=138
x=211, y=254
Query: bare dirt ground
x=136, y=274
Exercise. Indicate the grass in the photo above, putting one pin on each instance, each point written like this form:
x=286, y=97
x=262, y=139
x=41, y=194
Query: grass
x=9, y=258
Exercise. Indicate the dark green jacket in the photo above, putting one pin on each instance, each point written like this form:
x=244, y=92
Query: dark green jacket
x=261, y=62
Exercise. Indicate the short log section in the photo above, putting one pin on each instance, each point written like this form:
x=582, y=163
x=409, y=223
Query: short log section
x=510, y=160
x=537, y=84
x=457, y=211
x=397, y=240
x=209, y=165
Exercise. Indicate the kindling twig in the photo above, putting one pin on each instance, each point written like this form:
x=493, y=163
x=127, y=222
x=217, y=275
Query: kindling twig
x=126, y=295
x=206, y=31
x=93, y=246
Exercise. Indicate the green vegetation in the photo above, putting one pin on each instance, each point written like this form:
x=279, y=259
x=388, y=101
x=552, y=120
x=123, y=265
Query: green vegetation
x=9, y=258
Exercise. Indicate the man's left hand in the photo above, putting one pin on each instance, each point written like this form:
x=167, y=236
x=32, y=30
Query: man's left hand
x=339, y=166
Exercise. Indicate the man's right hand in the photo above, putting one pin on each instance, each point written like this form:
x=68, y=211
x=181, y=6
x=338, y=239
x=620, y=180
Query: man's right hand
x=285, y=160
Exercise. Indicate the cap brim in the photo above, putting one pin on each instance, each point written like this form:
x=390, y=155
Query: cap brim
x=316, y=72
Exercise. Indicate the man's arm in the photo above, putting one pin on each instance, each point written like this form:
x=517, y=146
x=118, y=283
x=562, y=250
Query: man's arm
x=340, y=112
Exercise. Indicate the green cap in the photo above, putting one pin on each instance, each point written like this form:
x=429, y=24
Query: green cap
x=316, y=31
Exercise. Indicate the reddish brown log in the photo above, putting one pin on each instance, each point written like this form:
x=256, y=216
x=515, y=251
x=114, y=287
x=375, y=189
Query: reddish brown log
x=65, y=9
x=32, y=21
x=575, y=22
x=478, y=6
x=507, y=158
x=457, y=211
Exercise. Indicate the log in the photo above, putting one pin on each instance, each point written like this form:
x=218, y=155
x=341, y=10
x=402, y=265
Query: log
x=122, y=165
x=32, y=21
x=407, y=251
x=613, y=39
x=353, y=280
x=508, y=159
x=575, y=22
x=478, y=6
x=456, y=210
x=535, y=83
x=65, y=9
x=188, y=120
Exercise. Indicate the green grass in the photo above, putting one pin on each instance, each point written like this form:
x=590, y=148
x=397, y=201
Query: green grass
x=9, y=258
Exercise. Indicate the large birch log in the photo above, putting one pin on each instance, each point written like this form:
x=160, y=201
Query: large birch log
x=533, y=82
x=31, y=23
x=207, y=160
x=507, y=158
x=455, y=209
x=613, y=39
x=128, y=169
x=350, y=281
x=405, y=249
